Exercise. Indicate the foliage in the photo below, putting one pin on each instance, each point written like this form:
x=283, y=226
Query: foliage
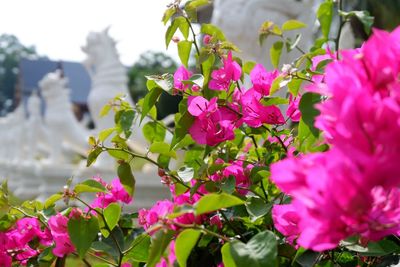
x=152, y=63
x=11, y=51
x=316, y=185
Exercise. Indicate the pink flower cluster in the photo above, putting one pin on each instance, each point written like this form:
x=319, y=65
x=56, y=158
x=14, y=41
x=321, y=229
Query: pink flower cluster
x=159, y=212
x=16, y=244
x=212, y=124
x=238, y=171
x=352, y=189
x=116, y=193
x=215, y=123
x=58, y=225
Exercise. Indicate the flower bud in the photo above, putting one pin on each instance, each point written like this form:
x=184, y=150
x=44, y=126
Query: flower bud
x=206, y=39
x=176, y=39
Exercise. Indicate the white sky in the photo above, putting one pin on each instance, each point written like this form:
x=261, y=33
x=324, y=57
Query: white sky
x=58, y=28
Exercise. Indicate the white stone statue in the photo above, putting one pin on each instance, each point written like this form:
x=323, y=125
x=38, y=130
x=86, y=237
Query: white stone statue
x=63, y=128
x=109, y=79
x=240, y=20
x=35, y=125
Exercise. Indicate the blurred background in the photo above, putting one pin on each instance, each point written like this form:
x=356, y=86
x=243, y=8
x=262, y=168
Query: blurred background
x=56, y=30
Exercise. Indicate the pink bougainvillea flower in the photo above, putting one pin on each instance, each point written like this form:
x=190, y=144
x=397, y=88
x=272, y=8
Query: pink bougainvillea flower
x=293, y=111
x=261, y=79
x=286, y=220
x=200, y=107
x=222, y=78
x=25, y=230
x=256, y=114
x=216, y=220
x=116, y=193
x=59, y=231
x=212, y=125
x=238, y=171
x=160, y=210
x=337, y=197
x=181, y=74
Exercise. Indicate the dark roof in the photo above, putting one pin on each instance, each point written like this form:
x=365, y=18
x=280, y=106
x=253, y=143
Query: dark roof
x=32, y=71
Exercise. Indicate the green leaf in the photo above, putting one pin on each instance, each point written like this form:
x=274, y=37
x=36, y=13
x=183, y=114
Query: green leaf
x=214, y=31
x=268, y=28
x=229, y=46
x=111, y=215
x=181, y=128
x=126, y=119
x=197, y=79
x=293, y=25
x=306, y=258
x=163, y=149
x=89, y=185
x=195, y=4
x=104, y=134
x=324, y=16
x=184, y=244
x=228, y=186
x=260, y=251
x=149, y=101
x=83, y=232
x=105, y=110
x=259, y=173
x=207, y=64
x=94, y=153
x=168, y=14
x=186, y=174
x=275, y=53
x=276, y=85
x=139, y=251
x=227, y=256
x=52, y=199
x=213, y=202
x=159, y=242
x=294, y=86
x=184, y=48
x=118, y=154
x=274, y=101
x=248, y=66
x=257, y=208
x=363, y=16
x=308, y=110
x=179, y=22
x=164, y=81
x=126, y=177
x=374, y=249
x=154, y=131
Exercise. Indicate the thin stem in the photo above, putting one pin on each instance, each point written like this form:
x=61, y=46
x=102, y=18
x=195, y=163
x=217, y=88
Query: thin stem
x=279, y=139
x=232, y=226
x=203, y=229
x=121, y=254
x=256, y=146
x=296, y=46
x=84, y=260
x=264, y=191
x=341, y=24
x=194, y=41
x=102, y=259
x=135, y=155
x=30, y=216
